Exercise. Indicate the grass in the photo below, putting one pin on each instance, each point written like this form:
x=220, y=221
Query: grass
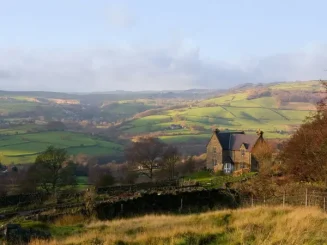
x=206, y=178
x=150, y=120
x=82, y=180
x=126, y=108
x=258, y=225
x=184, y=138
x=19, y=129
x=307, y=85
x=25, y=147
x=62, y=227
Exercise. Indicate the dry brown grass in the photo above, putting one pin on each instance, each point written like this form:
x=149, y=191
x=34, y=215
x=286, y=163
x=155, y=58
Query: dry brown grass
x=259, y=225
x=70, y=219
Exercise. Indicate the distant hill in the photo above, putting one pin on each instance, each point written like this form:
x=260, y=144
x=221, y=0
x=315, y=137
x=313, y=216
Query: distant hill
x=276, y=108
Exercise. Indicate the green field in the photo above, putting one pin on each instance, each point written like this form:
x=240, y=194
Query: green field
x=127, y=107
x=271, y=120
x=230, y=111
x=23, y=148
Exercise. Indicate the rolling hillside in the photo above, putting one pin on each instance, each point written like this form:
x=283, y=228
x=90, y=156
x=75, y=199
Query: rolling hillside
x=276, y=109
x=179, y=117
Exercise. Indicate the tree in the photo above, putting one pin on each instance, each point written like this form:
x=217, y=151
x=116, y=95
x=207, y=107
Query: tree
x=305, y=153
x=145, y=154
x=56, y=126
x=170, y=157
x=263, y=153
x=51, y=170
x=101, y=176
x=187, y=167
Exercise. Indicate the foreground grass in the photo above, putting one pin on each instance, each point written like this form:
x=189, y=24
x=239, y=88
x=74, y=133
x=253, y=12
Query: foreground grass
x=259, y=225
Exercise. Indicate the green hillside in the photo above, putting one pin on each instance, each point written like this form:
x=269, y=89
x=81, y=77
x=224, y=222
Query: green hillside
x=266, y=107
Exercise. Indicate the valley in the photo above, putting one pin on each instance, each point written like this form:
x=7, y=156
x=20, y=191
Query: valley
x=100, y=124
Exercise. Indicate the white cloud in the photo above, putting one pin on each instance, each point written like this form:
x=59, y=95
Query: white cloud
x=138, y=68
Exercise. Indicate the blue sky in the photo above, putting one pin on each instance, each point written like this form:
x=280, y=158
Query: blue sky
x=108, y=45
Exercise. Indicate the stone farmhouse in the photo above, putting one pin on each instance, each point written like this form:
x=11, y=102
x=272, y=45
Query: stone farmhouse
x=233, y=151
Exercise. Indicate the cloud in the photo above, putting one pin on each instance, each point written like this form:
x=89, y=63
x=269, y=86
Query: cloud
x=138, y=68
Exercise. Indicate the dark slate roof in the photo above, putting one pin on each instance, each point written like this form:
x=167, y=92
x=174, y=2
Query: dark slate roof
x=234, y=140
x=238, y=139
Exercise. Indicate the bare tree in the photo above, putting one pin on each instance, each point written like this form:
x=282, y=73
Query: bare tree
x=145, y=153
x=170, y=158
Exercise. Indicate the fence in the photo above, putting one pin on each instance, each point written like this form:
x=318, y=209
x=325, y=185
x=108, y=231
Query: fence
x=307, y=198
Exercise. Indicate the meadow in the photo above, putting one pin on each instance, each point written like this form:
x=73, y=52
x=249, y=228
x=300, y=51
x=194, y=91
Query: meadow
x=257, y=225
x=18, y=146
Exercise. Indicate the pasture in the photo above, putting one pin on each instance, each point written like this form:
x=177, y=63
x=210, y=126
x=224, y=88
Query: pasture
x=23, y=148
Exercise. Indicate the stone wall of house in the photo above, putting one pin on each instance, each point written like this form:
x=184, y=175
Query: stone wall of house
x=238, y=159
x=214, y=152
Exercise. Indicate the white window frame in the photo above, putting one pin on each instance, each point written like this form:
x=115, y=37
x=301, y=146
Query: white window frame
x=228, y=168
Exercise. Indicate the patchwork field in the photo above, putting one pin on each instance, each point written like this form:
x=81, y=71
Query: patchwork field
x=229, y=112
x=23, y=148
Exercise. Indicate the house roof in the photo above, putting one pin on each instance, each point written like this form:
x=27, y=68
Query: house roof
x=234, y=140
x=238, y=139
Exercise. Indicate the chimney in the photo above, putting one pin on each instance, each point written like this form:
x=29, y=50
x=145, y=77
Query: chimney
x=217, y=131
x=259, y=133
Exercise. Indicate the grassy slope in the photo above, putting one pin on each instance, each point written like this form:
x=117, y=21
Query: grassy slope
x=232, y=112
x=259, y=225
x=22, y=148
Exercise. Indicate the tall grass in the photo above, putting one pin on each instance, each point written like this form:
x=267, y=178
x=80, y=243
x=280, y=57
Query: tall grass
x=259, y=225
x=70, y=219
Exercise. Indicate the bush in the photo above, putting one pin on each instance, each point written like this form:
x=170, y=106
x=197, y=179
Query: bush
x=105, y=180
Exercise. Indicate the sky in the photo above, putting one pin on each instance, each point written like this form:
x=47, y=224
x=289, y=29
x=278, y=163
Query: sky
x=88, y=46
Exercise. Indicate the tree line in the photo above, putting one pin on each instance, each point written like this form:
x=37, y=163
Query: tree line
x=55, y=170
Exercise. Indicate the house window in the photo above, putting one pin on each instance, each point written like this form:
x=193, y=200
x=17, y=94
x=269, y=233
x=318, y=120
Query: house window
x=242, y=152
x=228, y=168
x=214, y=150
x=214, y=162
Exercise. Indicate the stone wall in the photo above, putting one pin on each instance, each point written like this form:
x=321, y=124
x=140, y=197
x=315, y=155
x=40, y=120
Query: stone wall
x=184, y=202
